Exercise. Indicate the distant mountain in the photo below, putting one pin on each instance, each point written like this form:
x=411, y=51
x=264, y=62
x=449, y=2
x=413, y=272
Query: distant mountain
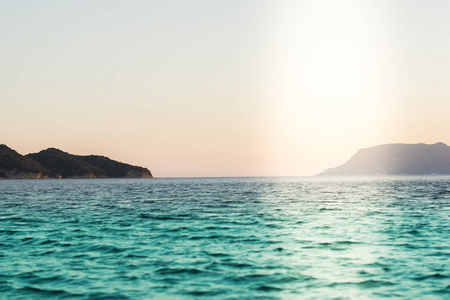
x=397, y=159
x=62, y=164
x=54, y=163
x=15, y=165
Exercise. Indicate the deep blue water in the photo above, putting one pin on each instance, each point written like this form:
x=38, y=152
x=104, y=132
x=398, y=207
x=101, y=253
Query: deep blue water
x=225, y=238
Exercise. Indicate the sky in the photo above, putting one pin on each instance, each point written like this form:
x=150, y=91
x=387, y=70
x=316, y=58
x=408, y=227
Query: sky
x=223, y=88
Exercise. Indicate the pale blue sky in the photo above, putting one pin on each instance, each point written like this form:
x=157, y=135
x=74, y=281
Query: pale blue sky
x=223, y=88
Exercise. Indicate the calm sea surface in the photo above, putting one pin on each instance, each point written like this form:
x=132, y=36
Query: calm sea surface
x=225, y=238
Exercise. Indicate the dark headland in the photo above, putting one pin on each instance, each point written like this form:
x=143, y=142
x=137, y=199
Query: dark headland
x=54, y=163
x=397, y=159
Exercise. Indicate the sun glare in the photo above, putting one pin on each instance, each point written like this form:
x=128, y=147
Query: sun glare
x=325, y=75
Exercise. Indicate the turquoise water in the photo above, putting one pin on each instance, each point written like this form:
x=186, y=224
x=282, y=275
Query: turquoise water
x=232, y=238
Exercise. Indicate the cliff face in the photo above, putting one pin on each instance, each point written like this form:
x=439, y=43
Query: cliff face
x=397, y=159
x=54, y=163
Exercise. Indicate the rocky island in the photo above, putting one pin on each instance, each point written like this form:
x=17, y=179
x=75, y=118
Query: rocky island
x=397, y=159
x=54, y=163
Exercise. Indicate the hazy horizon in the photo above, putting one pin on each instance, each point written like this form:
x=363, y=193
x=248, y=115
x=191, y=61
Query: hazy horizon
x=224, y=88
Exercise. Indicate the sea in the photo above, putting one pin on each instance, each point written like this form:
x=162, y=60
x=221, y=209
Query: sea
x=226, y=238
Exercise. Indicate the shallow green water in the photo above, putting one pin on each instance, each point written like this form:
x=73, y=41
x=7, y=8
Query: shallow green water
x=235, y=238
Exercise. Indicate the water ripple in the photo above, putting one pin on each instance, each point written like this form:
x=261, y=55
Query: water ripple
x=235, y=238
